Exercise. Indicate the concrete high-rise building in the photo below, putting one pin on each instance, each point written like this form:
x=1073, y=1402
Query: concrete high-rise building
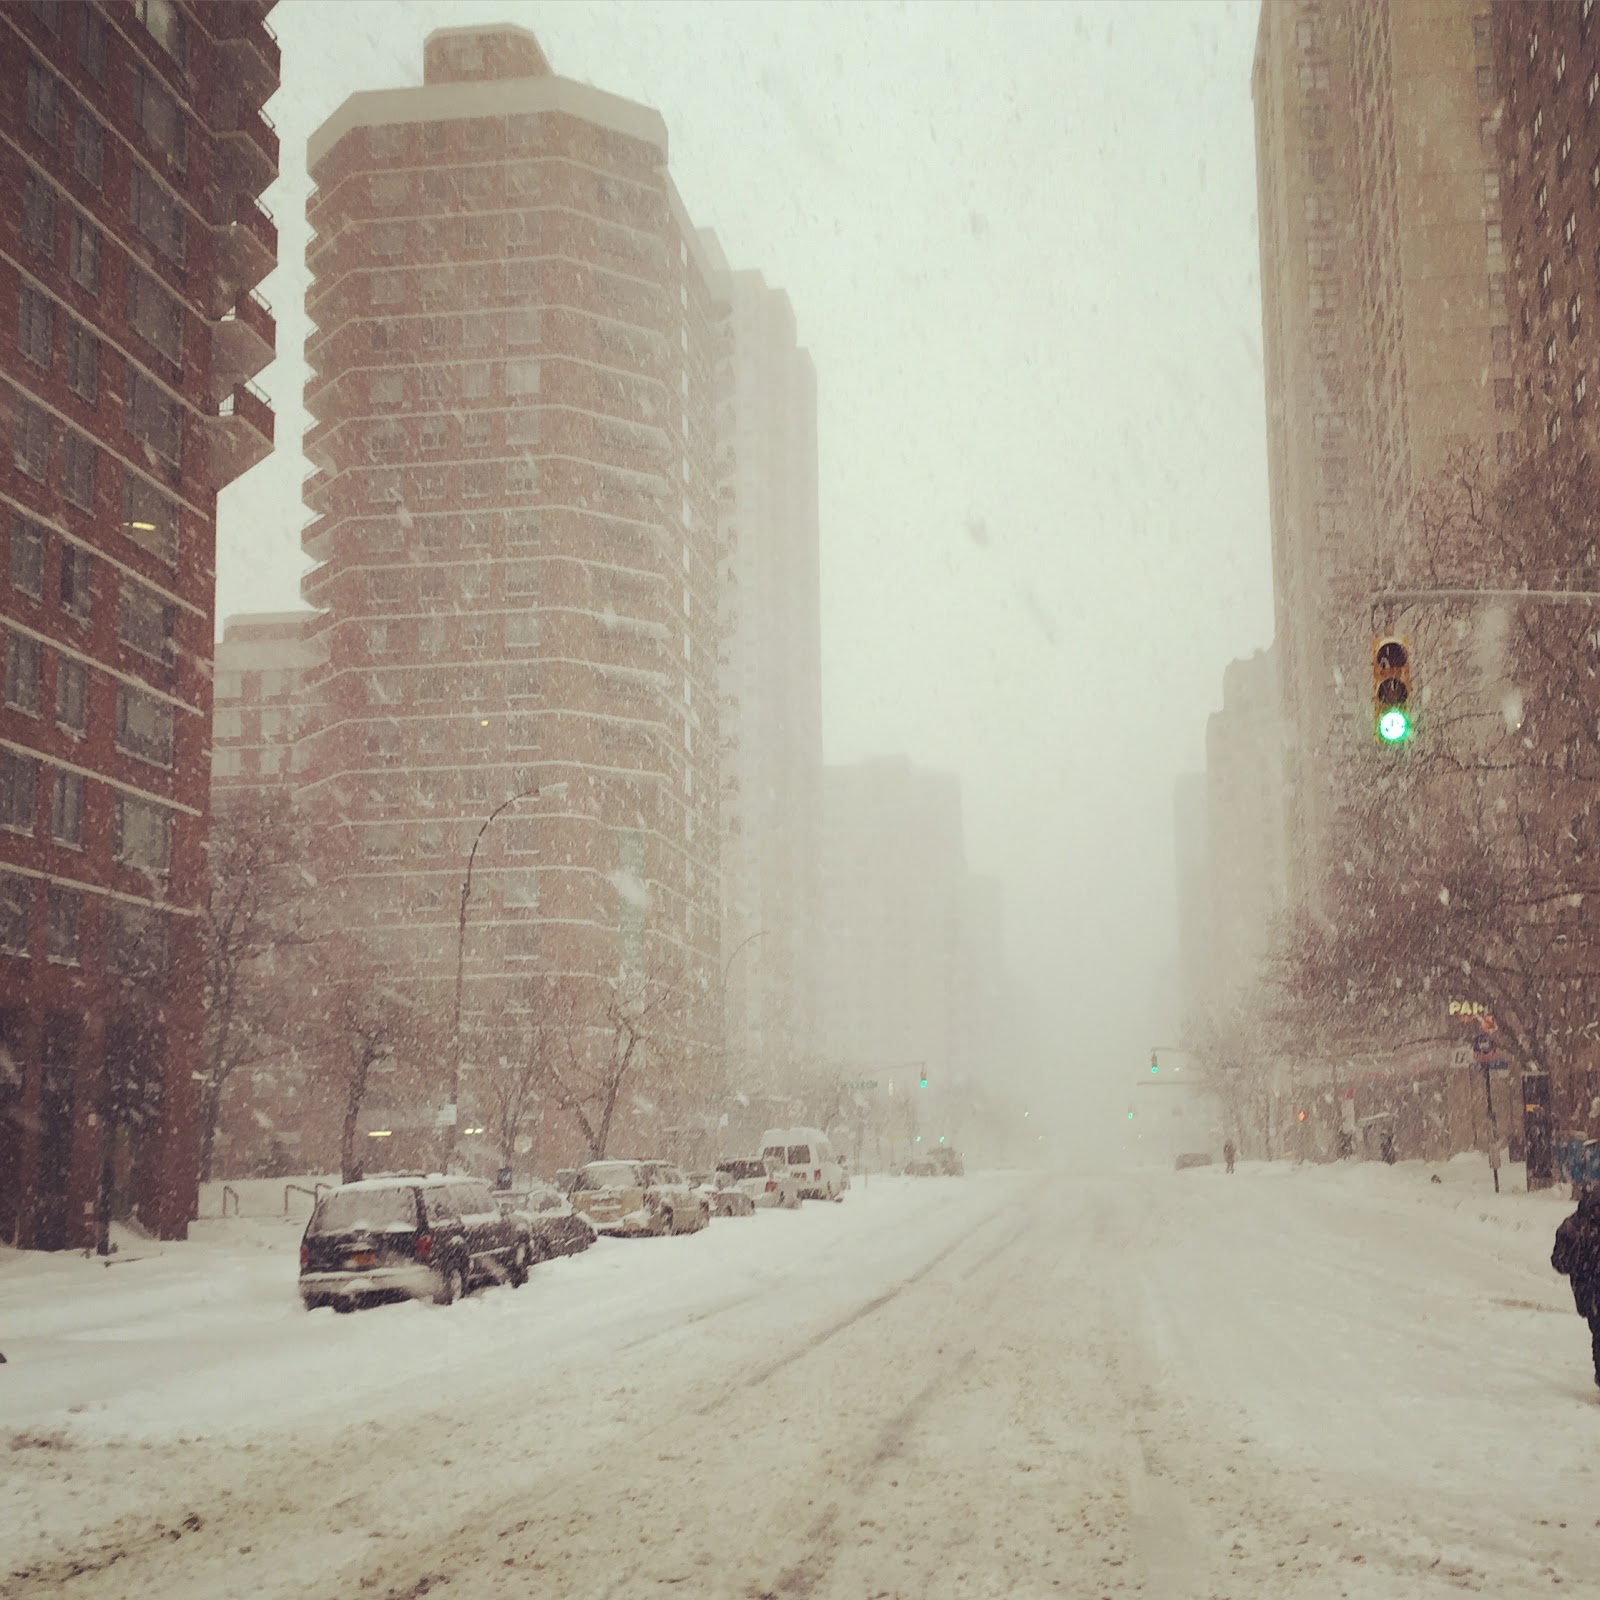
x=771, y=682
x=893, y=887
x=262, y=663
x=1386, y=336
x=1245, y=846
x=134, y=151
x=1547, y=69
x=513, y=358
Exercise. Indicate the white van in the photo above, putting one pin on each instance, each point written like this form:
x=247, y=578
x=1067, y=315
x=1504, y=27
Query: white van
x=817, y=1171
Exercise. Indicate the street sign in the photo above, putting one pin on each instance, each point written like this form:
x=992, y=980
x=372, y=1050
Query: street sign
x=860, y=1085
x=1497, y=1066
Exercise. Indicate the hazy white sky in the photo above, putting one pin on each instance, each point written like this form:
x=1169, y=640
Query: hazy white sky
x=1020, y=241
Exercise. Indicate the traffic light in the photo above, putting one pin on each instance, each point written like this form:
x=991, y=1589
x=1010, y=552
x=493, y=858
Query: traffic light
x=924, y=1083
x=1391, y=689
x=1130, y=1113
x=1155, y=1066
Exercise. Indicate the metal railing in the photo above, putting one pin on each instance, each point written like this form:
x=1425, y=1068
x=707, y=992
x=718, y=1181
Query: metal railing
x=299, y=1188
x=228, y=1189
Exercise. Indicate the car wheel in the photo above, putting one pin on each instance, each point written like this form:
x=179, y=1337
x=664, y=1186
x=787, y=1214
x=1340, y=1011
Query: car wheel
x=666, y=1229
x=519, y=1265
x=312, y=1302
x=344, y=1305
x=452, y=1286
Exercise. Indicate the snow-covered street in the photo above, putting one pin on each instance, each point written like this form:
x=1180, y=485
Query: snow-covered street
x=1319, y=1382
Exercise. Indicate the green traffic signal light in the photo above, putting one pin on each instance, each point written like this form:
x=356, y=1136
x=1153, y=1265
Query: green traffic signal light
x=924, y=1081
x=1394, y=726
x=1130, y=1115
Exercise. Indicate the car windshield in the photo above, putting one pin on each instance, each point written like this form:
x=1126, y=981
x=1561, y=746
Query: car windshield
x=800, y=1155
x=609, y=1175
x=743, y=1169
x=350, y=1210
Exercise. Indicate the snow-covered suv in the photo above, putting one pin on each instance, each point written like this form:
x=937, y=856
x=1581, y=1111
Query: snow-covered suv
x=428, y=1237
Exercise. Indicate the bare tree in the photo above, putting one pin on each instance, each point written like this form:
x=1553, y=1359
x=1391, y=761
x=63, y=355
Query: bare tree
x=592, y=1050
x=254, y=913
x=511, y=1092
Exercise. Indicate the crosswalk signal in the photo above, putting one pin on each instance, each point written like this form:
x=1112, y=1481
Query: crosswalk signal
x=1391, y=689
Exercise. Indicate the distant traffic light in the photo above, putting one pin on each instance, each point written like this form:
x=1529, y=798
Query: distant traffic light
x=924, y=1083
x=1391, y=690
x=1130, y=1113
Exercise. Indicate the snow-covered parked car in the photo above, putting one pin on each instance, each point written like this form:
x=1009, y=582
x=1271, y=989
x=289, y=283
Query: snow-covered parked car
x=764, y=1179
x=556, y=1229
x=635, y=1197
x=409, y=1235
x=723, y=1198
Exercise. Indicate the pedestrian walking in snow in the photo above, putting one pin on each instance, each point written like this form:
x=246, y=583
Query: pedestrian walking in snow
x=1577, y=1258
x=1228, y=1153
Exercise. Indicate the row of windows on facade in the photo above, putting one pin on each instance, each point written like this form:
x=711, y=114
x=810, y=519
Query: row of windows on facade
x=145, y=725
x=146, y=622
x=532, y=230
x=476, y=180
x=163, y=20
x=156, y=111
x=154, y=210
x=149, y=518
x=134, y=938
x=142, y=829
x=153, y=314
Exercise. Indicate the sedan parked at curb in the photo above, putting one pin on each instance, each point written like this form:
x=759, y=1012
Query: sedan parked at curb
x=638, y=1197
x=765, y=1179
x=411, y=1236
x=556, y=1229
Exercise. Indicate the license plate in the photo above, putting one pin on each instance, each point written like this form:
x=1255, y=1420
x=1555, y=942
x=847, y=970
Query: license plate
x=362, y=1258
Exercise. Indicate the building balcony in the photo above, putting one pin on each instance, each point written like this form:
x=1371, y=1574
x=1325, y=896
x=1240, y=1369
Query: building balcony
x=247, y=151
x=241, y=434
x=242, y=343
x=247, y=249
x=247, y=49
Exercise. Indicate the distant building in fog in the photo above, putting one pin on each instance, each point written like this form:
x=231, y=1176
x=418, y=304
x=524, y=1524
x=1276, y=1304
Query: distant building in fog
x=1386, y=334
x=133, y=158
x=1245, y=847
x=514, y=347
x=1191, y=848
x=893, y=894
x=771, y=682
x=259, y=686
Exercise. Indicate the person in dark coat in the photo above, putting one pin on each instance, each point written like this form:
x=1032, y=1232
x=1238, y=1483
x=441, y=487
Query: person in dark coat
x=1228, y=1154
x=1577, y=1258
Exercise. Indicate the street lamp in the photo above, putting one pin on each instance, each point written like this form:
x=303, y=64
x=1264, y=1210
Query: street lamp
x=461, y=961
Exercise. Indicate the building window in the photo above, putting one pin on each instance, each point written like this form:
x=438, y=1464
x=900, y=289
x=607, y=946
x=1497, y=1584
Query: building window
x=144, y=836
x=163, y=21
x=22, y=673
x=31, y=430
x=19, y=791
x=91, y=42
x=89, y=148
x=85, y=254
x=27, y=557
x=153, y=418
x=1560, y=68
x=387, y=288
x=82, y=456
x=72, y=695
x=66, y=809
x=83, y=362
x=136, y=940
x=475, y=430
x=155, y=316
x=522, y=475
x=144, y=726
x=16, y=909
x=1538, y=127
x=61, y=924
x=161, y=117
x=1591, y=90
x=1486, y=83
x=77, y=581
x=156, y=215
x=1564, y=154
x=388, y=240
x=431, y=433
x=149, y=517
x=44, y=100
x=478, y=481
x=34, y=326
x=144, y=621
x=39, y=215
x=522, y=630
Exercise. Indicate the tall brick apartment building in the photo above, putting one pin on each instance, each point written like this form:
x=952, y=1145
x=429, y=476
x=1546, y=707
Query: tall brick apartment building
x=513, y=356
x=133, y=151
